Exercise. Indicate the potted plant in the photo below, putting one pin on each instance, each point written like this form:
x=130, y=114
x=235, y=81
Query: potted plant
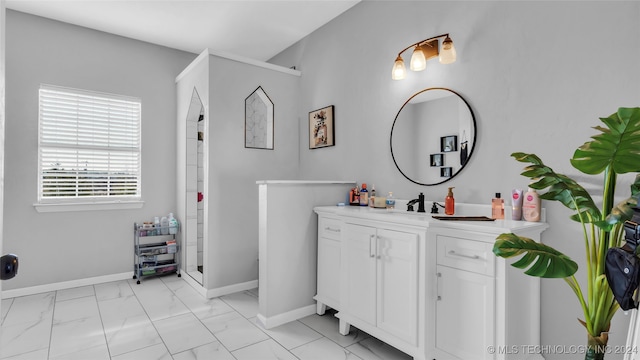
x=614, y=150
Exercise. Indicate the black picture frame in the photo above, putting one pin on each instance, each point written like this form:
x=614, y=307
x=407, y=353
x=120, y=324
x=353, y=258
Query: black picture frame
x=436, y=160
x=446, y=171
x=321, y=128
x=449, y=143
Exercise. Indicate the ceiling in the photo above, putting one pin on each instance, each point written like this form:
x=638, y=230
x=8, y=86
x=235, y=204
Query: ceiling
x=258, y=29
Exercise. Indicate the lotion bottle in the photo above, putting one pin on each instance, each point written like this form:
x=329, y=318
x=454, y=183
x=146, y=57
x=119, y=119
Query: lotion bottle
x=173, y=224
x=516, y=204
x=497, y=207
x=449, y=203
x=531, y=206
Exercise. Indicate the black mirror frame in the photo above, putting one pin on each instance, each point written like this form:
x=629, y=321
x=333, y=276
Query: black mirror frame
x=475, y=135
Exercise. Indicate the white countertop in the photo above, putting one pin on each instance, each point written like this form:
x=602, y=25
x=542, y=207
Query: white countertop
x=302, y=182
x=400, y=216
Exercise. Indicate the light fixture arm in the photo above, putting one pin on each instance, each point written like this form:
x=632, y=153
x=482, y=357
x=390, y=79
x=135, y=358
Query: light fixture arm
x=422, y=42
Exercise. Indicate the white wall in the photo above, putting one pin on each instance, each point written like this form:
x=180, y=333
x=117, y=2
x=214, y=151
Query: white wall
x=537, y=75
x=57, y=247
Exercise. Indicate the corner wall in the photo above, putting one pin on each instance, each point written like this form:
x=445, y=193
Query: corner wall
x=66, y=246
x=537, y=74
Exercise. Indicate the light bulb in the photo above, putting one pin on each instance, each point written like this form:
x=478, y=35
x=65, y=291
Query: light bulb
x=398, y=72
x=418, y=60
x=448, y=52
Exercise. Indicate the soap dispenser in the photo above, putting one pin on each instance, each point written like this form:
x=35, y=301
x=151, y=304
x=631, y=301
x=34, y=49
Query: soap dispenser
x=449, y=203
x=497, y=207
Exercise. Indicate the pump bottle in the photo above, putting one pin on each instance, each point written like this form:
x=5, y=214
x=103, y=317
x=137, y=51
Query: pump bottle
x=449, y=203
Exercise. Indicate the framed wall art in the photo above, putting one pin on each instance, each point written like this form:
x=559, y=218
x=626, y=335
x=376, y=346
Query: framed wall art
x=437, y=159
x=321, y=130
x=258, y=120
x=449, y=143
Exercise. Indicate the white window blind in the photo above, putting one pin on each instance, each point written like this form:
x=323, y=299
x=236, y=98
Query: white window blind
x=89, y=146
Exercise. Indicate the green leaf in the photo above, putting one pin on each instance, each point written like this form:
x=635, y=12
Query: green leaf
x=623, y=211
x=617, y=146
x=561, y=188
x=544, y=261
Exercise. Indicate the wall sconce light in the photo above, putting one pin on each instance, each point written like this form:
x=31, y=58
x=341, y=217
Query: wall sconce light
x=423, y=51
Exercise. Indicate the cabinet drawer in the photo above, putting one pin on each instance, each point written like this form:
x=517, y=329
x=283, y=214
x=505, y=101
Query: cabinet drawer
x=465, y=254
x=329, y=228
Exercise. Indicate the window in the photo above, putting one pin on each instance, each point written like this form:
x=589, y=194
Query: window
x=89, y=147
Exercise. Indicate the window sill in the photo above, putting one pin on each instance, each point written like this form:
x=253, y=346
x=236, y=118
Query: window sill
x=88, y=206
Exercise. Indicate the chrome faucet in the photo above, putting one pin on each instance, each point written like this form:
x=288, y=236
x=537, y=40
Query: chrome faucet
x=419, y=200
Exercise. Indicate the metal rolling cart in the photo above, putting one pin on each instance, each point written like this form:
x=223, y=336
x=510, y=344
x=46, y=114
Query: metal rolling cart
x=156, y=251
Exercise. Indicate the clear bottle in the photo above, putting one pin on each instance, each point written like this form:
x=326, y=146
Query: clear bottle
x=173, y=224
x=364, y=195
x=390, y=202
x=164, y=226
x=372, y=196
x=497, y=207
x=156, y=226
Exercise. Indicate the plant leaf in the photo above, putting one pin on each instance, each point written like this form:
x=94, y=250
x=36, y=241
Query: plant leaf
x=544, y=261
x=617, y=146
x=623, y=211
x=561, y=188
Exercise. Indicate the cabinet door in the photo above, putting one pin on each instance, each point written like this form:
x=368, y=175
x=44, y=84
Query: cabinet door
x=397, y=293
x=465, y=313
x=329, y=271
x=359, y=264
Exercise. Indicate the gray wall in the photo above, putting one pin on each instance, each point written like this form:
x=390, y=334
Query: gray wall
x=538, y=75
x=234, y=169
x=56, y=247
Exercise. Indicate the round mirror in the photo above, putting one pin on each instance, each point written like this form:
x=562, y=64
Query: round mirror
x=433, y=136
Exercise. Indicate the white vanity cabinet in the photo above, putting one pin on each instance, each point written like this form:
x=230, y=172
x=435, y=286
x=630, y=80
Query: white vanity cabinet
x=465, y=297
x=482, y=302
x=380, y=280
x=329, y=235
x=431, y=288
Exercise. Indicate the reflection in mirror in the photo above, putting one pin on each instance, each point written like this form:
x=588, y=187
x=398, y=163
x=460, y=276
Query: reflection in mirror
x=433, y=136
x=193, y=235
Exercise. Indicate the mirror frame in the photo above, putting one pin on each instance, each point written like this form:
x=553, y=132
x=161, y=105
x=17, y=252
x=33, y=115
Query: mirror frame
x=475, y=135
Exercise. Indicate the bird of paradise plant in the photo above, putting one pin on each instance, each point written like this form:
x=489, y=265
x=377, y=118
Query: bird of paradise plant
x=614, y=150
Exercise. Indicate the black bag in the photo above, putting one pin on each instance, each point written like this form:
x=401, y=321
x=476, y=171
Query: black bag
x=622, y=268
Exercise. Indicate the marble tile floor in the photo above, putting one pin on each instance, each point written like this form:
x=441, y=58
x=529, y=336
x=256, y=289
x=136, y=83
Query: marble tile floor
x=164, y=318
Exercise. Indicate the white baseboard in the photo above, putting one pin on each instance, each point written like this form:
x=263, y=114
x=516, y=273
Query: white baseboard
x=194, y=284
x=212, y=293
x=273, y=321
x=230, y=289
x=31, y=290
